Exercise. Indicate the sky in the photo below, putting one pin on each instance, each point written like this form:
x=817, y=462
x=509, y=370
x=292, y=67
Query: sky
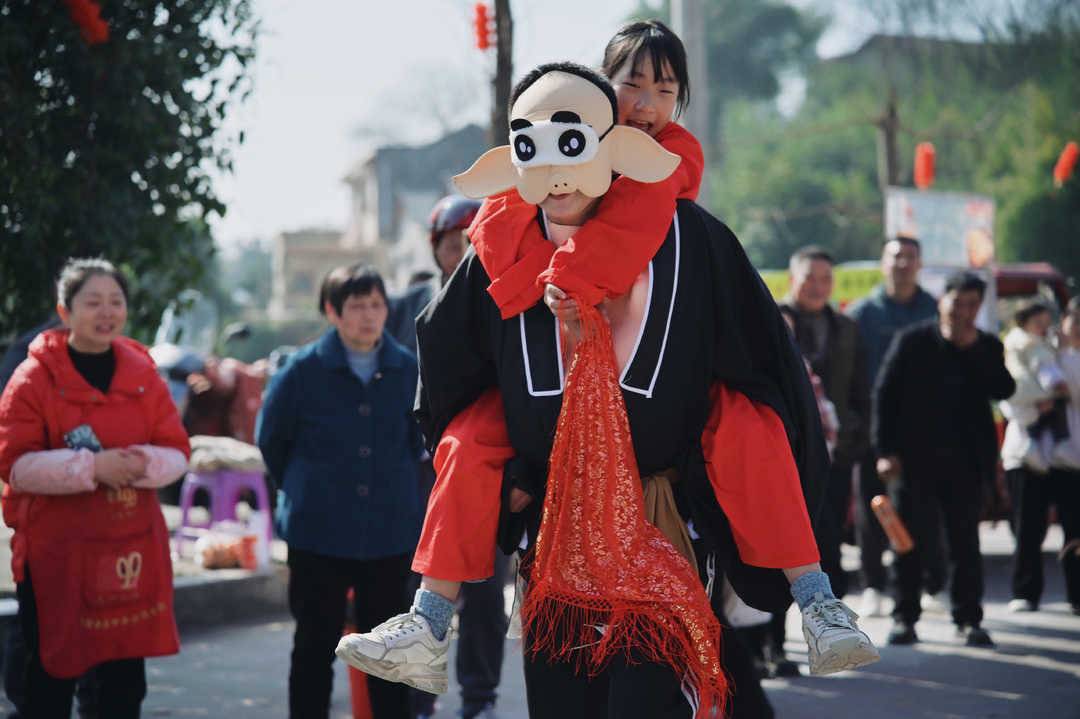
x=335, y=78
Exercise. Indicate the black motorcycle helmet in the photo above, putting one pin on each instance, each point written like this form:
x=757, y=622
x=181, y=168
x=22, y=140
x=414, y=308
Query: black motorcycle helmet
x=452, y=212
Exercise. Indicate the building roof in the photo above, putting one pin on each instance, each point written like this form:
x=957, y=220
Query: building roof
x=425, y=167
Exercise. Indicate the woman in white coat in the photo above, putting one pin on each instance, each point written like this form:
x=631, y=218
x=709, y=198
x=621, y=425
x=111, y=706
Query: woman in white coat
x=1041, y=380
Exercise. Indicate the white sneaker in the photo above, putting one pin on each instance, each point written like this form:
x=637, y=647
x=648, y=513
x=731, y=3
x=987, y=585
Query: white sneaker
x=873, y=603
x=836, y=643
x=401, y=649
x=1017, y=606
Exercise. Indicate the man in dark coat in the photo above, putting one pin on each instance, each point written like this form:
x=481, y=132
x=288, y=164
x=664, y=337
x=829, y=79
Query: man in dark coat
x=830, y=343
x=712, y=388
x=897, y=303
x=933, y=431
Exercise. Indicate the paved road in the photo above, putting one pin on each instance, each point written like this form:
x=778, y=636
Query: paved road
x=239, y=671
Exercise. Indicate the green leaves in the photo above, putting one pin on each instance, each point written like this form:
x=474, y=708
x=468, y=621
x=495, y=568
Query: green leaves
x=997, y=112
x=106, y=149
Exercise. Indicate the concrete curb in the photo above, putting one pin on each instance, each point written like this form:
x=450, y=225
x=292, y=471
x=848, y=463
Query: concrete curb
x=228, y=595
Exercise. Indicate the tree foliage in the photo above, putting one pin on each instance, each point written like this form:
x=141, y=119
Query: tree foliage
x=110, y=149
x=998, y=104
x=750, y=45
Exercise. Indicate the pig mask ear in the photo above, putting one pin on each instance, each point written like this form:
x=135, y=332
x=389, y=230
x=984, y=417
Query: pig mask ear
x=493, y=172
x=637, y=156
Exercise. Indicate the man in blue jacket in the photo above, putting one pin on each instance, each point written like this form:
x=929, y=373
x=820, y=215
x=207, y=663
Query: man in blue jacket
x=337, y=433
x=894, y=305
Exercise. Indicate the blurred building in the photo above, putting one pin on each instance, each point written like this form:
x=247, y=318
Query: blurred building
x=393, y=191
x=300, y=261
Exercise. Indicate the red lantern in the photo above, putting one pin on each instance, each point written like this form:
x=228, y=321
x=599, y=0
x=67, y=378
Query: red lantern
x=924, y=165
x=87, y=15
x=480, y=21
x=1066, y=164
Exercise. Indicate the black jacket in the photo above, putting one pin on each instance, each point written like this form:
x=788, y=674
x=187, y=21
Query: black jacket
x=710, y=318
x=843, y=372
x=404, y=308
x=932, y=399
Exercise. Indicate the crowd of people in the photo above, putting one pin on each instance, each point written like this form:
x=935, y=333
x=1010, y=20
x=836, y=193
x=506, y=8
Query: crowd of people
x=595, y=381
x=929, y=373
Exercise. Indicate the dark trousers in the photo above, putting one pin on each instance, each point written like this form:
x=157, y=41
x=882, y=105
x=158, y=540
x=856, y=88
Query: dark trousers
x=1031, y=497
x=482, y=625
x=86, y=701
x=119, y=687
x=317, y=588
x=624, y=690
x=776, y=632
x=830, y=525
x=637, y=690
x=951, y=489
x=868, y=532
x=740, y=647
x=872, y=541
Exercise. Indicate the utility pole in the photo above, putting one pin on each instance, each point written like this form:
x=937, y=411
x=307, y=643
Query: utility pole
x=504, y=54
x=688, y=22
x=888, y=159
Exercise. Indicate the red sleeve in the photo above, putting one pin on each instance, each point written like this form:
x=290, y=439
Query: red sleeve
x=458, y=539
x=168, y=430
x=607, y=254
x=512, y=249
x=753, y=473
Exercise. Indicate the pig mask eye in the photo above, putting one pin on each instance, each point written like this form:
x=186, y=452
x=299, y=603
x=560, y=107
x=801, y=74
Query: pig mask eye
x=572, y=143
x=524, y=148
x=552, y=143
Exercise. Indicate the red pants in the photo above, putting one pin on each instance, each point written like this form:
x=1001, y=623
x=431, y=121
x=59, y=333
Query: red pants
x=747, y=457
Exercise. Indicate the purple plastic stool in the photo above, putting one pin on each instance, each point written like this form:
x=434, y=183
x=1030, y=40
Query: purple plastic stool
x=223, y=487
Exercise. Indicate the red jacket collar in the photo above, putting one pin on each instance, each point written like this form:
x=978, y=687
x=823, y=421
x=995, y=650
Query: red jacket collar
x=134, y=368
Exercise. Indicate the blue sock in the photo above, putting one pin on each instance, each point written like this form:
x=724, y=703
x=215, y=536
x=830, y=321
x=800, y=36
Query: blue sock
x=435, y=608
x=806, y=588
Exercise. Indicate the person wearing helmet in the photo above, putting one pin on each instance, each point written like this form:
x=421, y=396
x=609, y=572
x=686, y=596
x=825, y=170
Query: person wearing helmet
x=482, y=620
x=450, y=217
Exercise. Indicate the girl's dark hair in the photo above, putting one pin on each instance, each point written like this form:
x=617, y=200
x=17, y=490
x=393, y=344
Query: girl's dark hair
x=343, y=282
x=77, y=271
x=654, y=40
x=1028, y=310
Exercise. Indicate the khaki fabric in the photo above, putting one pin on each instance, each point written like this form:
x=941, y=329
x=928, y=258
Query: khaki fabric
x=662, y=512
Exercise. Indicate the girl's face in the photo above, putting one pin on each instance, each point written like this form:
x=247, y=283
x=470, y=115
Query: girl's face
x=97, y=314
x=645, y=102
x=1039, y=324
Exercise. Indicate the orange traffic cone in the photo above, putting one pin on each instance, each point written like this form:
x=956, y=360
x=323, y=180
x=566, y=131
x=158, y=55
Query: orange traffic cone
x=358, y=690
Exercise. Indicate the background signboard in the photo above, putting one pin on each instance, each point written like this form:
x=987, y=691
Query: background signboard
x=955, y=228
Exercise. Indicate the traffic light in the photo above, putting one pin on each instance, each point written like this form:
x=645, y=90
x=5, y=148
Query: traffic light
x=480, y=21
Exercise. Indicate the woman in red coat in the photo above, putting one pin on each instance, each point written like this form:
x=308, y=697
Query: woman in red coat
x=88, y=432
